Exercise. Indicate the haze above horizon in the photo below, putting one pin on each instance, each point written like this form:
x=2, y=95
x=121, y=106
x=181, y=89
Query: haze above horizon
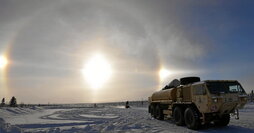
x=80, y=51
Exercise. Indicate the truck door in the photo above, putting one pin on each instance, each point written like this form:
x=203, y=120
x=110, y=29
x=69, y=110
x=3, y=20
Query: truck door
x=200, y=97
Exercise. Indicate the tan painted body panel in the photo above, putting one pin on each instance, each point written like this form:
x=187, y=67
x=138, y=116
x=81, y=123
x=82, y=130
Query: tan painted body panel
x=169, y=94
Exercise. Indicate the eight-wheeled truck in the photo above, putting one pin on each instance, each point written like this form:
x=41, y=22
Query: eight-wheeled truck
x=193, y=103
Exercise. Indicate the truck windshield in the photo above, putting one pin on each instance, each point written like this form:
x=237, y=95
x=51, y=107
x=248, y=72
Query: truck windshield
x=224, y=87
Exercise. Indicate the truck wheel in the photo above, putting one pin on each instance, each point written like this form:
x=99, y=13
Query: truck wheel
x=223, y=121
x=178, y=116
x=159, y=113
x=149, y=109
x=152, y=107
x=191, y=118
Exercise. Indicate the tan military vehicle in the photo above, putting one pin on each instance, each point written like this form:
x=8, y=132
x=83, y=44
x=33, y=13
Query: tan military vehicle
x=193, y=103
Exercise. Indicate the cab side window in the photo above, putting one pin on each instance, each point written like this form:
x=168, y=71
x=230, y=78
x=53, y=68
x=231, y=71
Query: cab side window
x=199, y=90
x=235, y=88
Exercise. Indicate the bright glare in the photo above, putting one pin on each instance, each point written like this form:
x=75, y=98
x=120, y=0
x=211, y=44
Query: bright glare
x=164, y=73
x=97, y=71
x=3, y=61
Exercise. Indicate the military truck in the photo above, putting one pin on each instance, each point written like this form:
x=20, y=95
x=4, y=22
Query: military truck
x=193, y=103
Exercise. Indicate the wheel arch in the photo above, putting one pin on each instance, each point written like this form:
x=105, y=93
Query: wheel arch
x=185, y=106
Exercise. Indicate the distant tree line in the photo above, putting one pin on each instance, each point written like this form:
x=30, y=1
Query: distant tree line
x=12, y=103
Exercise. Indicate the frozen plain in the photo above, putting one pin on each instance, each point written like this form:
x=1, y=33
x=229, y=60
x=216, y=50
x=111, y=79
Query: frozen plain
x=104, y=118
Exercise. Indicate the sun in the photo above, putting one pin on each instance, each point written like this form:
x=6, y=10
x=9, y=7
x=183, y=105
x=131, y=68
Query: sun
x=3, y=61
x=164, y=73
x=97, y=71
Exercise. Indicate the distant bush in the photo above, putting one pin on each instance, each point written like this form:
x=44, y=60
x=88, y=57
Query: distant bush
x=13, y=102
x=3, y=102
x=22, y=105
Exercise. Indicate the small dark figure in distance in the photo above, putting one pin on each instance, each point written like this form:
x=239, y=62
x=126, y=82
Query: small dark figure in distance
x=127, y=105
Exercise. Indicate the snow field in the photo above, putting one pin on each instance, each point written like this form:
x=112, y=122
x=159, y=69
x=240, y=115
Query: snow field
x=106, y=118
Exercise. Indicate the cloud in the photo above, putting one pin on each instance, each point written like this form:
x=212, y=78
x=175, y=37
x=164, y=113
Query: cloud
x=137, y=37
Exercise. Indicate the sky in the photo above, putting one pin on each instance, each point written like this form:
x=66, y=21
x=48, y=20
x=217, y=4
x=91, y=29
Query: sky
x=83, y=51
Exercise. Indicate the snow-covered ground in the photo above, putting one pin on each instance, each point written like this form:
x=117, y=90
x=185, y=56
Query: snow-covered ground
x=104, y=118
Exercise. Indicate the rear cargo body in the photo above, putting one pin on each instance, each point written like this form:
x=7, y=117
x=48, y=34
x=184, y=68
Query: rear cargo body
x=194, y=102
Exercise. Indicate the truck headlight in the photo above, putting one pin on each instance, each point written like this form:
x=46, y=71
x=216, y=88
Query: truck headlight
x=244, y=99
x=215, y=100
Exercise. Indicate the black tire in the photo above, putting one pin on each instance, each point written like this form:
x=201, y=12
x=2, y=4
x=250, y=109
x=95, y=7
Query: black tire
x=189, y=80
x=159, y=113
x=149, y=109
x=178, y=116
x=191, y=118
x=153, y=111
x=223, y=121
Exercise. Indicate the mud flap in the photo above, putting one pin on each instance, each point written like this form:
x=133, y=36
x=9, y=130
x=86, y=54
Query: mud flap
x=237, y=114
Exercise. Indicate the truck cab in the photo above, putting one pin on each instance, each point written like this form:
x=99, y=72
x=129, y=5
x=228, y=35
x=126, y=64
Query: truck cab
x=218, y=97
